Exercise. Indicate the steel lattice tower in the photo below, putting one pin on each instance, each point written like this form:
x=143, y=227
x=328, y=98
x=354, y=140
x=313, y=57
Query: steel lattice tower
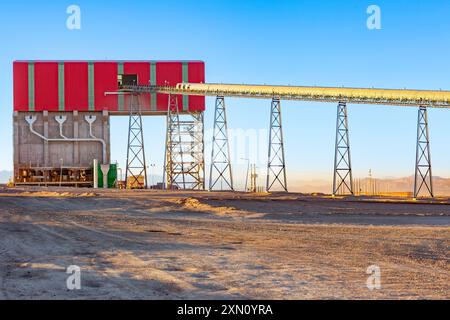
x=174, y=165
x=343, y=179
x=184, y=158
x=276, y=168
x=220, y=155
x=191, y=131
x=423, y=175
x=136, y=165
x=196, y=152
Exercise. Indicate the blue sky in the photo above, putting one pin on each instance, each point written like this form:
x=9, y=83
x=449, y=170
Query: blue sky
x=322, y=43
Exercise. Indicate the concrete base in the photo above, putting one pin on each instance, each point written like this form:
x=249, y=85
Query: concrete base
x=37, y=156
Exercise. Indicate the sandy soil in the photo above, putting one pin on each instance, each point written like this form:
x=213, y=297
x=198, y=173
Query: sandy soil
x=199, y=245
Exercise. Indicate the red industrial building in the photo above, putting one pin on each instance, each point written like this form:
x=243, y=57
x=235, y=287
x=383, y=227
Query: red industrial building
x=61, y=113
x=81, y=85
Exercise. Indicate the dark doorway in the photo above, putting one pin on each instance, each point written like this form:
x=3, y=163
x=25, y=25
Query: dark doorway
x=127, y=79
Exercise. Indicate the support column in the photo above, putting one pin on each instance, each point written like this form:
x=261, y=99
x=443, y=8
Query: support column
x=343, y=179
x=195, y=158
x=136, y=171
x=46, y=148
x=423, y=178
x=106, y=131
x=76, y=145
x=16, y=145
x=276, y=168
x=174, y=173
x=184, y=159
x=220, y=173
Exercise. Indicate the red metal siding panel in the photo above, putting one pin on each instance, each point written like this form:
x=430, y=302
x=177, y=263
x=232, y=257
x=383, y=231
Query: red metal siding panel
x=105, y=75
x=196, y=75
x=46, y=86
x=76, y=86
x=20, y=75
x=168, y=73
x=142, y=69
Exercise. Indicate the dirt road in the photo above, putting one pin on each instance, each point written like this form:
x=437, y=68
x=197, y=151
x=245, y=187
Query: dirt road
x=154, y=245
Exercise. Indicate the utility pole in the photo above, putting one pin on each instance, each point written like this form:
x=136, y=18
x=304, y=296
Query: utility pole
x=246, y=176
x=253, y=179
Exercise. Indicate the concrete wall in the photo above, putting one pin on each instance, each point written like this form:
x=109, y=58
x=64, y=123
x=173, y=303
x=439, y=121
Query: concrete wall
x=31, y=150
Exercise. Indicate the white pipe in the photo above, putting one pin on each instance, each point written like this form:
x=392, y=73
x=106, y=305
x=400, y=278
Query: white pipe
x=91, y=119
x=61, y=120
x=95, y=173
x=32, y=119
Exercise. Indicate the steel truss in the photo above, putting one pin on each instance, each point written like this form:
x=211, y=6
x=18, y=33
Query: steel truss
x=276, y=168
x=184, y=159
x=136, y=171
x=220, y=175
x=423, y=175
x=343, y=179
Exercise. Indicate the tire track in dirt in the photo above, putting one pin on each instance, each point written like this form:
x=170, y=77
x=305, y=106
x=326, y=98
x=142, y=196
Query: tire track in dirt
x=96, y=264
x=72, y=243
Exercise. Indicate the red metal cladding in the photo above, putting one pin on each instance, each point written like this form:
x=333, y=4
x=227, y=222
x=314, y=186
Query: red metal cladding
x=168, y=74
x=76, y=89
x=142, y=70
x=105, y=75
x=46, y=86
x=20, y=72
x=81, y=85
x=196, y=75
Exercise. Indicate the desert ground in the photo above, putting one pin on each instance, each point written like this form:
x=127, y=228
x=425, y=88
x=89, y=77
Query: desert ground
x=202, y=245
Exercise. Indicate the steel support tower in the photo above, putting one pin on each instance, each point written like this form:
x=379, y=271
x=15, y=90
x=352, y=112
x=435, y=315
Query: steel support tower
x=192, y=132
x=423, y=176
x=174, y=165
x=343, y=179
x=136, y=171
x=220, y=175
x=276, y=168
x=184, y=156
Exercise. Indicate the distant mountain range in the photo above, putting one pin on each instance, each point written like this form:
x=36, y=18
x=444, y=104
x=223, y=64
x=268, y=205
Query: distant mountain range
x=441, y=185
x=5, y=176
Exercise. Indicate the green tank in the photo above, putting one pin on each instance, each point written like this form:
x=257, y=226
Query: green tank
x=112, y=176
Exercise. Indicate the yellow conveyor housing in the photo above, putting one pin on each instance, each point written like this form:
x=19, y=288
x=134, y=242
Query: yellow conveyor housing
x=438, y=99
x=396, y=97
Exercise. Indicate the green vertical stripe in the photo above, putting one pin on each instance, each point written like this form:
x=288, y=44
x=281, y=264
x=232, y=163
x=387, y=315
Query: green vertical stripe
x=31, y=96
x=61, y=86
x=121, y=98
x=153, y=101
x=185, y=80
x=91, y=86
